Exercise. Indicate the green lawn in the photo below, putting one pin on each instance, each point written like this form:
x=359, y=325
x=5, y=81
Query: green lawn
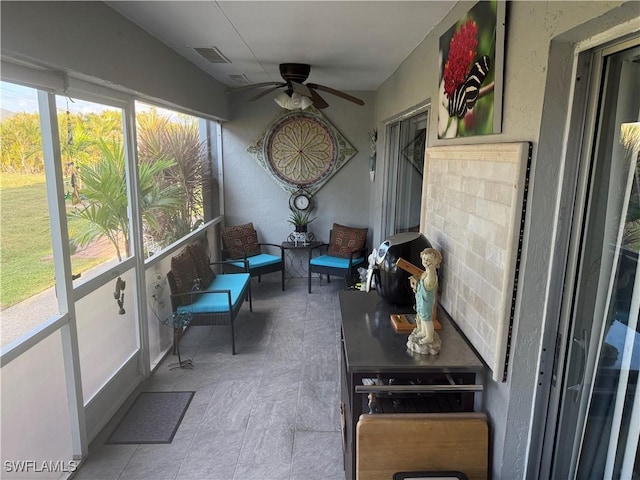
x=26, y=263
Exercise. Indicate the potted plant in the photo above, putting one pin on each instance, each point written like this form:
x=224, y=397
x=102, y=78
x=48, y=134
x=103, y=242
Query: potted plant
x=300, y=219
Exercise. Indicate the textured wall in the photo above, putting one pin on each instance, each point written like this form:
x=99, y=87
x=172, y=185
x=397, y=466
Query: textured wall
x=251, y=194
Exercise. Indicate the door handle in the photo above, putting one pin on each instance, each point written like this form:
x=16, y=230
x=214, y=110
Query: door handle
x=583, y=343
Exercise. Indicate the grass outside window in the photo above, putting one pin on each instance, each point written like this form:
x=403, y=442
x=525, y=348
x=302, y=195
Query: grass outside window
x=26, y=264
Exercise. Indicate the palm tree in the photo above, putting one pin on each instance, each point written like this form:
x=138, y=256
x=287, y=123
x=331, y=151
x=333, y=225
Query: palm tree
x=21, y=146
x=161, y=137
x=104, y=209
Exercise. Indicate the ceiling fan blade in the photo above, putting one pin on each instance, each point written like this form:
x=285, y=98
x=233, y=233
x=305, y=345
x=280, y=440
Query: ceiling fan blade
x=337, y=93
x=265, y=92
x=254, y=85
x=318, y=101
x=300, y=89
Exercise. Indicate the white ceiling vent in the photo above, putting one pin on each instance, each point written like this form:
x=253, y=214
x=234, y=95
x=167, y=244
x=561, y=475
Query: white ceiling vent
x=240, y=79
x=211, y=54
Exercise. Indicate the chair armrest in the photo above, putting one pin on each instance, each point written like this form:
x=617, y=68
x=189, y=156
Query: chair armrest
x=359, y=253
x=322, y=245
x=280, y=247
x=200, y=292
x=225, y=262
x=362, y=252
x=231, y=261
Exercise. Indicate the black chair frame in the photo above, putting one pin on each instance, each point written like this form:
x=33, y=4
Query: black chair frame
x=257, y=271
x=335, y=271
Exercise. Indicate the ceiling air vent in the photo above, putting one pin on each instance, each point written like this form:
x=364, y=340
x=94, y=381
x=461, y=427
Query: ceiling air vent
x=239, y=79
x=211, y=55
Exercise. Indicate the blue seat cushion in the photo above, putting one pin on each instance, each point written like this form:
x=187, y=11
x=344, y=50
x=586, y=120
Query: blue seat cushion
x=260, y=260
x=335, y=262
x=219, y=302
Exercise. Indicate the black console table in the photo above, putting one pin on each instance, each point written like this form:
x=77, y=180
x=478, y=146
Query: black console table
x=379, y=373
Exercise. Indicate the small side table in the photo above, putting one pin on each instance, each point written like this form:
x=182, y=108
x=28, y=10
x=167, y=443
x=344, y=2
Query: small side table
x=178, y=320
x=297, y=266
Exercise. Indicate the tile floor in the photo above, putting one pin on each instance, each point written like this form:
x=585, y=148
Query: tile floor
x=271, y=412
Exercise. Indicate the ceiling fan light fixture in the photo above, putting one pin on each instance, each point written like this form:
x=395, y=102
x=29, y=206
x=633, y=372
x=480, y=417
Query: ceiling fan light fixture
x=297, y=95
x=283, y=100
x=300, y=101
x=293, y=101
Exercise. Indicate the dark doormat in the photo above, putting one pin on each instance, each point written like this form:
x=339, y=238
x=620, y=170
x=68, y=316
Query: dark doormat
x=154, y=417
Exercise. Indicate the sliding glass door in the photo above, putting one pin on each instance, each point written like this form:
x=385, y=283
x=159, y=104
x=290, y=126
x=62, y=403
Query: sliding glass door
x=406, y=141
x=598, y=419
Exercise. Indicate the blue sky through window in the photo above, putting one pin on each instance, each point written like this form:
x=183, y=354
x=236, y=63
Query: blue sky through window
x=17, y=98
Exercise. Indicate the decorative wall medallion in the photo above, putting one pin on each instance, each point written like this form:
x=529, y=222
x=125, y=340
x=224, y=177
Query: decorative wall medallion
x=301, y=149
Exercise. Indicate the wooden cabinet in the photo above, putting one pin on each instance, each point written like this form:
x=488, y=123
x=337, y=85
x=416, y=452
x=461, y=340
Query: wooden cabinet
x=379, y=373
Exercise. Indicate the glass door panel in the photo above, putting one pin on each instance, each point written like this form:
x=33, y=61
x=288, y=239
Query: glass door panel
x=413, y=136
x=599, y=419
x=392, y=142
x=406, y=141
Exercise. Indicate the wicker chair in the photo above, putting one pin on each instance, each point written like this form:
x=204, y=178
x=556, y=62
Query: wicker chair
x=347, y=248
x=243, y=252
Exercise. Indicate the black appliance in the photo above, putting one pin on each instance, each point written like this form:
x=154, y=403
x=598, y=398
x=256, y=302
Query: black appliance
x=392, y=283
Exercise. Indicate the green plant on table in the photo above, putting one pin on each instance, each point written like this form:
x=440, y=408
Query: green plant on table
x=300, y=219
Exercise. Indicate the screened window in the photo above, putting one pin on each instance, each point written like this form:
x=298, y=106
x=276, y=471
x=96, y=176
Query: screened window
x=27, y=271
x=175, y=172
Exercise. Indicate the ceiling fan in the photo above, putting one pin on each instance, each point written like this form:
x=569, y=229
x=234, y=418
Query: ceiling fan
x=297, y=94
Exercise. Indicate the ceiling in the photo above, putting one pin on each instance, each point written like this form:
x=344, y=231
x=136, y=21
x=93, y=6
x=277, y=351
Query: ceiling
x=350, y=45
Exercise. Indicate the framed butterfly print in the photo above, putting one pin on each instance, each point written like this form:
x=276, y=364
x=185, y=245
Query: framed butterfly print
x=471, y=73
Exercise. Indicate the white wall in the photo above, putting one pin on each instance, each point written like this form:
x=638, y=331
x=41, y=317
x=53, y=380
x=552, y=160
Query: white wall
x=251, y=195
x=531, y=26
x=92, y=41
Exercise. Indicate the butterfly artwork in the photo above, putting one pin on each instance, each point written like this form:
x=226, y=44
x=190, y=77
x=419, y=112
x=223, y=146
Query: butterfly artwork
x=471, y=67
x=465, y=96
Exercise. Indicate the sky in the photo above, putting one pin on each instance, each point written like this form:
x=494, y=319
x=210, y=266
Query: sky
x=16, y=98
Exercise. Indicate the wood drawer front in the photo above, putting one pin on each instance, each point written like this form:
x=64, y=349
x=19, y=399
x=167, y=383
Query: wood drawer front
x=390, y=443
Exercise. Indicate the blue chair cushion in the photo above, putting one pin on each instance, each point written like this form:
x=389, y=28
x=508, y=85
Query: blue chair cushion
x=260, y=260
x=219, y=302
x=335, y=262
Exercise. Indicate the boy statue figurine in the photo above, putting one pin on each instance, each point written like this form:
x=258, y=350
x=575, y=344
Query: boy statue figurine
x=424, y=339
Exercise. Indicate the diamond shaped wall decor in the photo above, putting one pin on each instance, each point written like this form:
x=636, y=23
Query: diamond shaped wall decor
x=301, y=149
